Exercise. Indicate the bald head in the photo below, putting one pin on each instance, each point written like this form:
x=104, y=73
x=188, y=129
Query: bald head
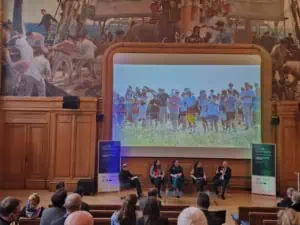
x=73, y=202
x=80, y=218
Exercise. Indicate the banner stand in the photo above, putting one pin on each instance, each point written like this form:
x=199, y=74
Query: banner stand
x=109, y=159
x=263, y=169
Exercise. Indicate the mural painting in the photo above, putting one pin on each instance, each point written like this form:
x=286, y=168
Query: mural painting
x=54, y=47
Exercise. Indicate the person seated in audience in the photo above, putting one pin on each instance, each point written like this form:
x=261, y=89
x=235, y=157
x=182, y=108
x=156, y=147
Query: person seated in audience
x=198, y=176
x=287, y=200
x=192, y=216
x=151, y=214
x=10, y=210
x=127, y=215
x=32, y=209
x=288, y=217
x=152, y=193
x=84, y=205
x=72, y=204
x=57, y=210
x=176, y=177
x=222, y=178
x=296, y=201
x=204, y=203
x=128, y=180
x=60, y=186
x=157, y=175
x=80, y=218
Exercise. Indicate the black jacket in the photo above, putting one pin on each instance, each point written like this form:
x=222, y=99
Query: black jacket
x=212, y=219
x=227, y=175
x=286, y=202
x=125, y=177
x=160, y=221
x=296, y=207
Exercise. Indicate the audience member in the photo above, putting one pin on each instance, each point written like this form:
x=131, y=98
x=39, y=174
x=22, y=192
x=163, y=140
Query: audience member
x=80, y=218
x=192, y=216
x=288, y=217
x=128, y=180
x=287, y=200
x=10, y=210
x=72, y=204
x=152, y=193
x=57, y=210
x=296, y=201
x=151, y=214
x=60, y=185
x=204, y=203
x=84, y=205
x=32, y=209
x=157, y=175
x=127, y=215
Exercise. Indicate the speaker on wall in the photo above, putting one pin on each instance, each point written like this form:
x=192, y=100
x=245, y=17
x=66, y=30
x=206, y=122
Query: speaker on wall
x=71, y=102
x=88, y=186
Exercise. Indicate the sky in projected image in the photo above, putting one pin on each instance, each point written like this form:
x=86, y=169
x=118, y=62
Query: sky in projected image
x=146, y=122
x=196, y=77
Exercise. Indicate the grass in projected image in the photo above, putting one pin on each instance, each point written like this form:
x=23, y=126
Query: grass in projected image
x=187, y=106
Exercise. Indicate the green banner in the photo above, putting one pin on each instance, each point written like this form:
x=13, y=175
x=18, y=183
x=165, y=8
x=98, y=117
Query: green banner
x=263, y=160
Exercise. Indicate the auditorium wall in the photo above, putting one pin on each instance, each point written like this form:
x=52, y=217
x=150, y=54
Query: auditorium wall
x=36, y=66
x=53, y=138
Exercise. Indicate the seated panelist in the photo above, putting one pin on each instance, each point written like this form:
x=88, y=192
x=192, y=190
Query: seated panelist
x=128, y=180
x=222, y=178
x=176, y=177
x=157, y=175
x=198, y=176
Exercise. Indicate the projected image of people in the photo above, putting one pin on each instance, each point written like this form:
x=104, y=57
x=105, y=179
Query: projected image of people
x=187, y=105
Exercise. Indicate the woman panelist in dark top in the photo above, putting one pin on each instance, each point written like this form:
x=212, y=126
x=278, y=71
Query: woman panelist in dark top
x=177, y=177
x=157, y=175
x=198, y=176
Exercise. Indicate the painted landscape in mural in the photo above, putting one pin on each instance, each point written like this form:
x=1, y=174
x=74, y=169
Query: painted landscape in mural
x=54, y=47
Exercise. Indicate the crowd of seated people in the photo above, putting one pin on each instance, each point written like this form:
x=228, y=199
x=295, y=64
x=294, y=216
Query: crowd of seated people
x=176, y=178
x=67, y=210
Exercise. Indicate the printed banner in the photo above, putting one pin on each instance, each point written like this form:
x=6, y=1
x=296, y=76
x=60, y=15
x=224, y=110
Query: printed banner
x=108, y=166
x=264, y=169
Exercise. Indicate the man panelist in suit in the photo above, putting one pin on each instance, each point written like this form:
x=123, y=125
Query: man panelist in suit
x=222, y=178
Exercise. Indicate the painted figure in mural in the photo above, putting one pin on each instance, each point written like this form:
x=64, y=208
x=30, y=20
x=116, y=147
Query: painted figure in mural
x=46, y=21
x=62, y=56
x=224, y=36
x=87, y=51
x=195, y=36
x=36, y=40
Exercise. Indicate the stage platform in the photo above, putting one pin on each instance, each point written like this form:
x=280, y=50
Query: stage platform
x=233, y=200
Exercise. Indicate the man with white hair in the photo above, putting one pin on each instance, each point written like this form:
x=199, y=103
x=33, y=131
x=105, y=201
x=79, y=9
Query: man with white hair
x=72, y=204
x=287, y=200
x=296, y=201
x=80, y=218
x=192, y=216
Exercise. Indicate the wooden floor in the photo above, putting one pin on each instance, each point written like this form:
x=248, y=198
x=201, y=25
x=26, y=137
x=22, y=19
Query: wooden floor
x=233, y=200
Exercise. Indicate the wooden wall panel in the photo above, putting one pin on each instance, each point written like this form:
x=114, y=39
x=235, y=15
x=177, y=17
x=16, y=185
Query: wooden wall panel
x=41, y=141
x=14, y=156
x=63, y=147
x=37, y=156
x=85, y=130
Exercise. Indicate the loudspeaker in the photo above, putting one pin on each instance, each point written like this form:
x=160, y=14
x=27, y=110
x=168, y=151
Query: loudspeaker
x=275, y=120
x=71, y=102
x=88, y=186
x=99, y=117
